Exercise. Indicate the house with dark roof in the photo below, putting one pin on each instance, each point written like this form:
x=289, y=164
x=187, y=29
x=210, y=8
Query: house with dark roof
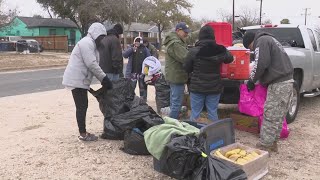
x=36, y=26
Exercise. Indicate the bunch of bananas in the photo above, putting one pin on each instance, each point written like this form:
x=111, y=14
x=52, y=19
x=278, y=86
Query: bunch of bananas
x=239, y=156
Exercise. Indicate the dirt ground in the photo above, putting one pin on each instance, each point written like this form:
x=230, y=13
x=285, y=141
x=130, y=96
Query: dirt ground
x=39, y=138
x=16, y=61
x=39, y=141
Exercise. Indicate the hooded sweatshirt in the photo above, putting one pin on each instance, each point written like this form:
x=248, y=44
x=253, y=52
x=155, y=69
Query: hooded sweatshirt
x=176, y=52
x=272, y=63
x=84, y=60
x=111, y=60
x=203, y=63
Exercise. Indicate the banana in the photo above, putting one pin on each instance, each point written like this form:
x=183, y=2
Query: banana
x=243, y=152
x=249, y=157
x=220, y=155
x=234, y=157
x=231, y=152
x=241, y=161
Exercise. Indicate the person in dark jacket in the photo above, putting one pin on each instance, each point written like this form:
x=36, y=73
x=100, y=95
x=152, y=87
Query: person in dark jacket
x=203, y=65
x=136, y=54
x=111, y=60
x=153, y=50
x=272, y=68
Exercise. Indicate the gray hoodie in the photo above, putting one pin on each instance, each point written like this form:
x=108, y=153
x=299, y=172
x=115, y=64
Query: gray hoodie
x=84, y=60
x=272, y=63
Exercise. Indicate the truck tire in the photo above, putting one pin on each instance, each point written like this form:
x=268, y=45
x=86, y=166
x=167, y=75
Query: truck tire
x=294, y=104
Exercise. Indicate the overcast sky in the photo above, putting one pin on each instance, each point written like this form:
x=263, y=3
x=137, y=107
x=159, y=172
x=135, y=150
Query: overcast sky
x=272, y=9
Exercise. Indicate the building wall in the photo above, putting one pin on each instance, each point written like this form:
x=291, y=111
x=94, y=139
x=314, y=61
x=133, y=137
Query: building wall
x=45, y=31
x=18, y=28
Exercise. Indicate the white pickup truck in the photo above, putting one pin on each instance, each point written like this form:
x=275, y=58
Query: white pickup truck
x=302, y=44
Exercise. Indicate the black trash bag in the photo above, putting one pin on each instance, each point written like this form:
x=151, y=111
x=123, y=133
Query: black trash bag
x=117, y=100
x=184, y=159
x=212, y=168
x=140, y=115
x=162, y=93
x=134, y=142
x=180, y=156
x=110, y=132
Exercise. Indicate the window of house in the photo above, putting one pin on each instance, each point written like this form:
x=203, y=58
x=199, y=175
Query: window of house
x=145, y=34
x=18, y=33
x=135, y=34
x=313, y=40
x=52, y=32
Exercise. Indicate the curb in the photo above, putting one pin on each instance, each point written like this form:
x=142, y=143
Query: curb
x=31, y=67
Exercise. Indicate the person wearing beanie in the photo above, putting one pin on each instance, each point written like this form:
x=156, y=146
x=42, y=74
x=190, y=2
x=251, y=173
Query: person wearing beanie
x=153, y=50
x=176, y=76
x=111, y=53
x=273, y=69
x=136, y=54
x=203, y=65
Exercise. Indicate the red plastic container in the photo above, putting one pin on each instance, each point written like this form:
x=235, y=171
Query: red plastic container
x=239, y=69
x=222, y=33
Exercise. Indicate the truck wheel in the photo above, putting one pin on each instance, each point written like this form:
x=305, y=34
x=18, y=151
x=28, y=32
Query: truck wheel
x=293, y=104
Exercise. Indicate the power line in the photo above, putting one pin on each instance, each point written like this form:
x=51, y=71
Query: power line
x=305, y=15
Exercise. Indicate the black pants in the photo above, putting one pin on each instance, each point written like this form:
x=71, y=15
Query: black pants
x=80, y=97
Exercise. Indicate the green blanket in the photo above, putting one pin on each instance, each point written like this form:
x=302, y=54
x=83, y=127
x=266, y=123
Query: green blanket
x=158, y=136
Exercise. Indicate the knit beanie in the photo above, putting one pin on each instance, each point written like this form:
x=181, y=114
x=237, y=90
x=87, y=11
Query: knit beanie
x=118, y=28
x=206, y=32
x=248, y=39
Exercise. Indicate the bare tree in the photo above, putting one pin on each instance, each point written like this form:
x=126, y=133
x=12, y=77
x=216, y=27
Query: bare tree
x=245, y=17
x=6, y=16
x=124, y=12
x=165, y=13
x=285, y=21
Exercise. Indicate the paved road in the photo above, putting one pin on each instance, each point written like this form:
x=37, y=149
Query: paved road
x=16, y=83
x=24, y=82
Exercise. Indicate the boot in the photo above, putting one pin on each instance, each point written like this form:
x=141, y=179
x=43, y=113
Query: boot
x=272, y=148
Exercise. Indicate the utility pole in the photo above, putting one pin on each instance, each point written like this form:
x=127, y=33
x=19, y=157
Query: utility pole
x=305, y=15
x=233, y=15
x=260, y=21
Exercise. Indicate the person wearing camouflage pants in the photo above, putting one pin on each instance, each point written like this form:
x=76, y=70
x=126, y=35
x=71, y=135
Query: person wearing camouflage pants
x=275, y=109
x=273, y=68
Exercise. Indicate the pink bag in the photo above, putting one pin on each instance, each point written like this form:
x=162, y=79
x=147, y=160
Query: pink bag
x=252, y=102
x=285, y=130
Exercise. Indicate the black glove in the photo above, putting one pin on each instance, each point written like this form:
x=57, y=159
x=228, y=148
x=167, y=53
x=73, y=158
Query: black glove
x=250, y=85
x=106, y=83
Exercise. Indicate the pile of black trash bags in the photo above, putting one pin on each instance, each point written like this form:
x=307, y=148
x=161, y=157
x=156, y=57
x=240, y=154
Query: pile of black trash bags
x=126, y=117
x=185, y=158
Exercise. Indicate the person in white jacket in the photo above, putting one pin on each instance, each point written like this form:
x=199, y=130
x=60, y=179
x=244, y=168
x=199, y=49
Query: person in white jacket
x=82, y=66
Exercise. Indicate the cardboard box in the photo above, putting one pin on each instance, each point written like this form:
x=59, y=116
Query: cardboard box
x=245, y=123
x=254, y=169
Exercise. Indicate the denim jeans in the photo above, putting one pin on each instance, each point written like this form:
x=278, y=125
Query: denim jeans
x=198, y=101
x=143, y=87
x=176, y=98
x=113, y=77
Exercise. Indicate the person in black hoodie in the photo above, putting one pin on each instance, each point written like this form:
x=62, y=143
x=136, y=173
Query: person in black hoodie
x=272, y=68
x=111, y=60
x=203, y=65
